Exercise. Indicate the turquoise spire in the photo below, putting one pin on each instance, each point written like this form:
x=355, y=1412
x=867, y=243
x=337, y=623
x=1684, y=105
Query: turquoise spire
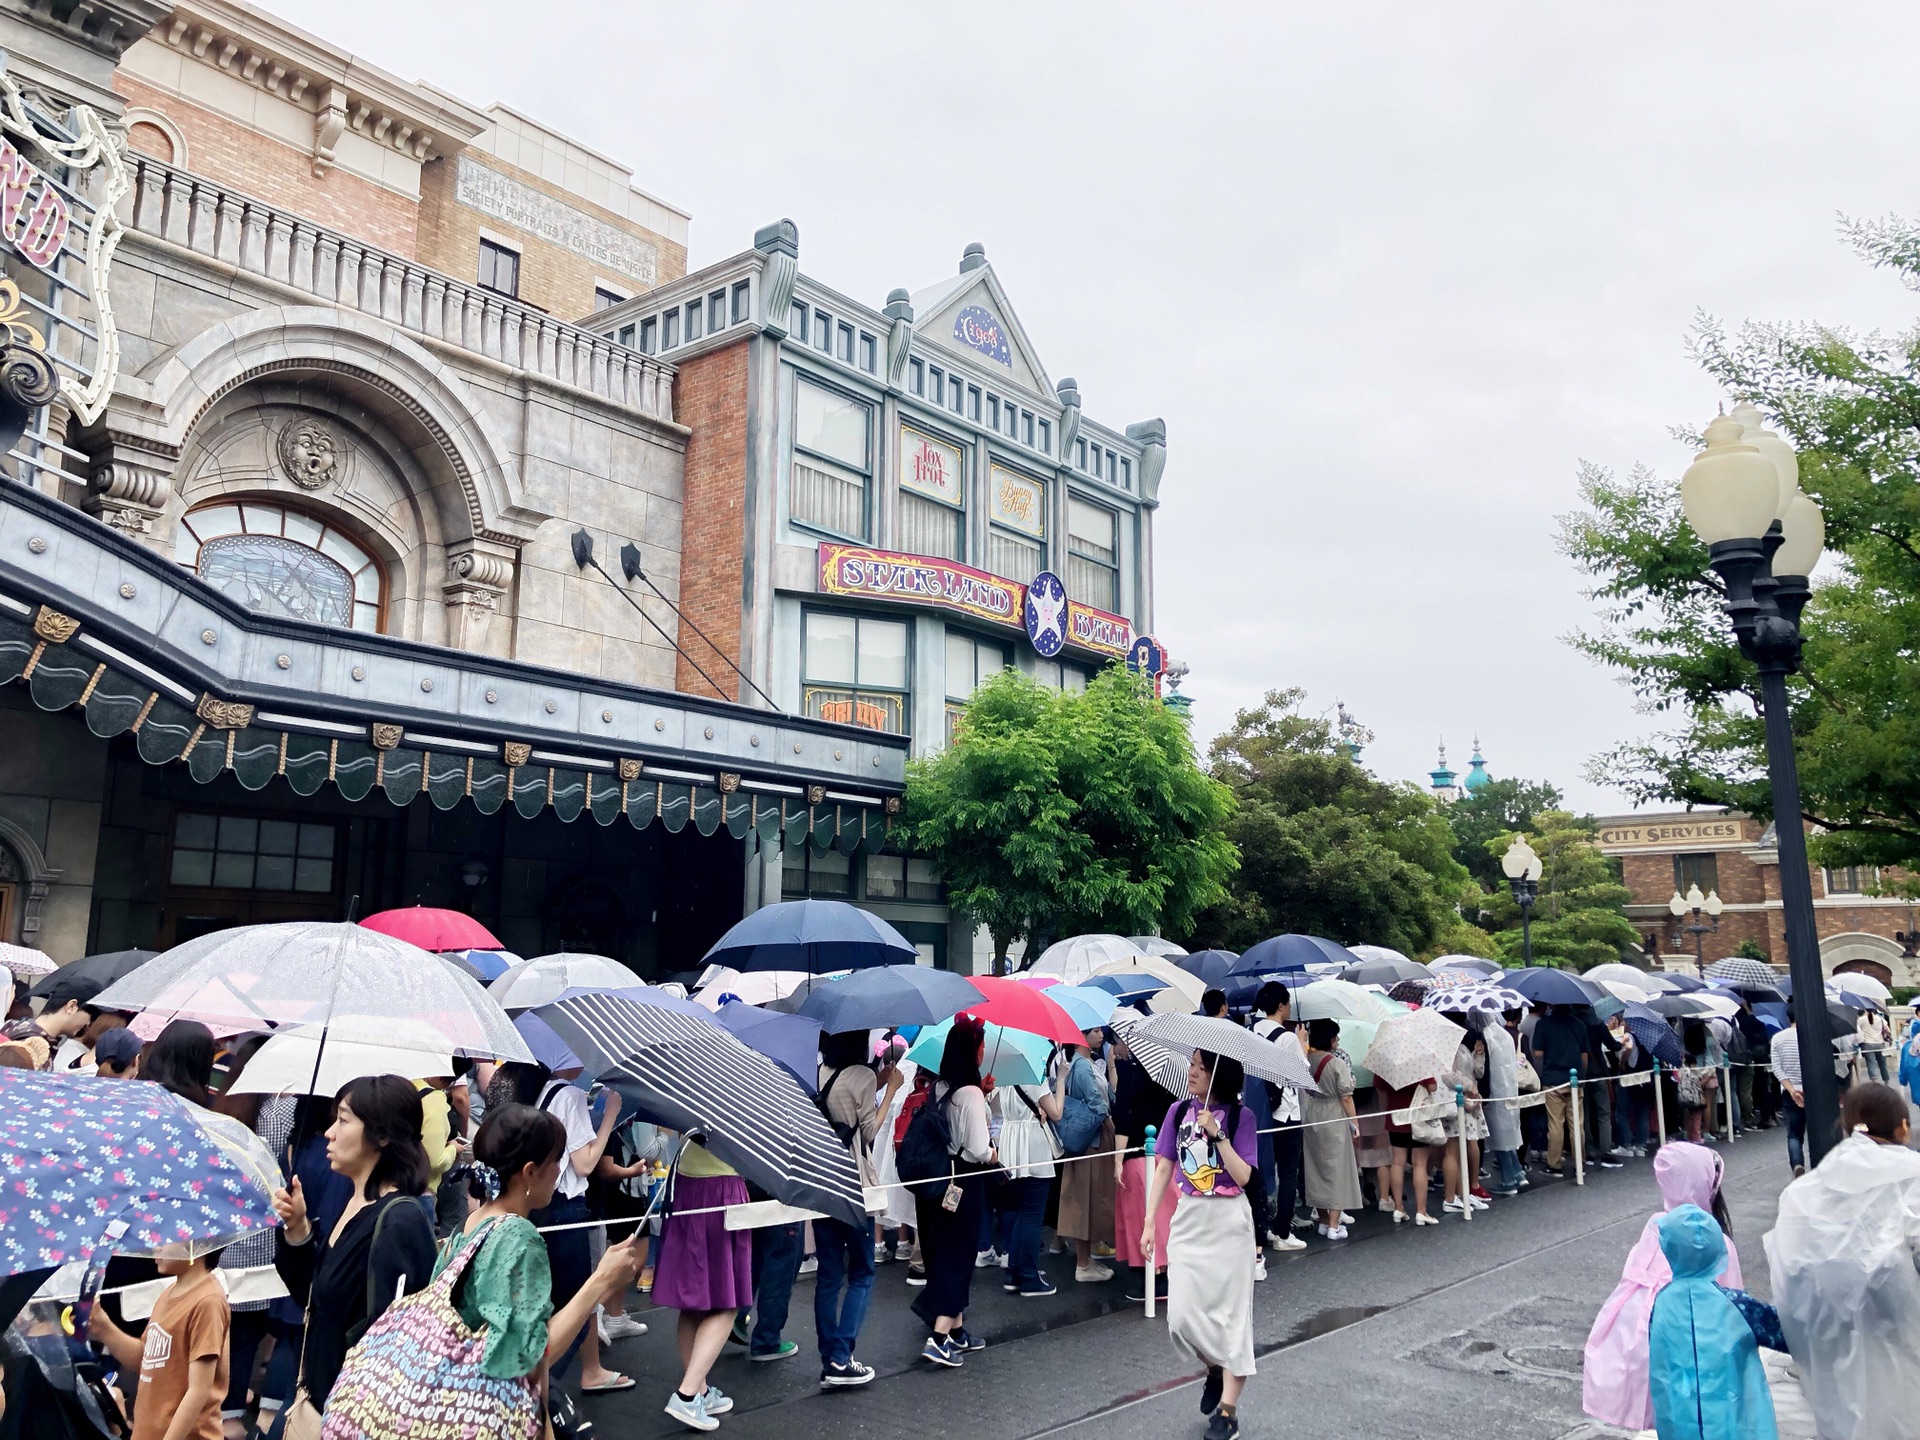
x=1442, y=777
x=1477, y=776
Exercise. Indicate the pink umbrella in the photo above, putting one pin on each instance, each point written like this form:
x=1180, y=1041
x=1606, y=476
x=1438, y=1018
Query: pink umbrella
x=1020, y=1007
x=1039, y=982
x=433, y=929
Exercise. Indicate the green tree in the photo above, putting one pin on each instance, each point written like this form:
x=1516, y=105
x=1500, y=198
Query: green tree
x=1071, y=812
x=1327, y=848
x=1851, y=406
x=1579, y=918
x=1500, y=807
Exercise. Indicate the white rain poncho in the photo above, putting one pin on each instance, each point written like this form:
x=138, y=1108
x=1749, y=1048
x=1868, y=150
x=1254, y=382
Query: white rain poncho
x=1503, y=1088
x=1843, y=1259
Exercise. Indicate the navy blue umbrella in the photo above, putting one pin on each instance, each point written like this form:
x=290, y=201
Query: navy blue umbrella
x=1292, y=952
x=1209, y=966
x=1130, y=988
x=1685, y=984
x=1772, y=1013
x=815, y=936
x=791, y=1041
x=1544, y=985
x=890, y=995
x=1656, y=1037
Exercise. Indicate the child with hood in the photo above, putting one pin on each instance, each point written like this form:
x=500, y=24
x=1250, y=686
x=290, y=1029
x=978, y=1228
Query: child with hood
x=1614, y=1389
x=1704, y=1371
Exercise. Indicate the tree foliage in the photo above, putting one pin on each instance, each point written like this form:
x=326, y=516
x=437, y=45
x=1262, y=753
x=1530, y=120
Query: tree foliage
x=1326, y=848
x=1500, y=807
x=1851, y=406
x=1578, y=919
x=1071, y=812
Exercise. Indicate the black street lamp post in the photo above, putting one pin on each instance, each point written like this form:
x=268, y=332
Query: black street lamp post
x=1742, y=497
x=1709, y=905
x=1523, y=867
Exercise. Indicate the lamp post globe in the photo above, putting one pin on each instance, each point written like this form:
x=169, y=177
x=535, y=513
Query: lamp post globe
x=1764, y=536
x=1523, y=869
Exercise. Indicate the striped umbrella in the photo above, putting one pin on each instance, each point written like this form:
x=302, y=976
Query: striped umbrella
x=688, y=1075
x=1168, y=1067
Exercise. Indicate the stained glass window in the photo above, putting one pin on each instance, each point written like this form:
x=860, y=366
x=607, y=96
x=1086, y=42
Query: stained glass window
x=282, y=562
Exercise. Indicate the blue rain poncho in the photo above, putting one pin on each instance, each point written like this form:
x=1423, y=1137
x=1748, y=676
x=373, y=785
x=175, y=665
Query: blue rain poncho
x=1704, y=1367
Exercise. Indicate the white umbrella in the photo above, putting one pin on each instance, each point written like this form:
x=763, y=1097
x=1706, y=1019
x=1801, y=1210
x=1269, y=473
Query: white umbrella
x=1725, y=1006
x=1075, y=959
x=1155, y=945
x=1282, y=1064
x=347, y=978
x=1380, y=952
x=543, y=980
x=302, y=1061
x=754, y=987
x=1864, y=986
x=1624, y=975
x=1417, y=1046
x=1620, y=990
x=1340, y=1000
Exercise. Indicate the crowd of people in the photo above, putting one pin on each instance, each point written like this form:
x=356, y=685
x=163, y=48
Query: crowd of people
x=533, y=1208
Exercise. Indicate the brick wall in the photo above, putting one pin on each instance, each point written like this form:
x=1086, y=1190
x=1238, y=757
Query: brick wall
x=230, y=153
x=552, y=277
x=710, y=398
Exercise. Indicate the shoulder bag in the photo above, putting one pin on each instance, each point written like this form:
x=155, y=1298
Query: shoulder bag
x=416, y=1372
x=1046, y=1125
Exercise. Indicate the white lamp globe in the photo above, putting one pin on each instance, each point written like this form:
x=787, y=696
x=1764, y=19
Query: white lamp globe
x=1805, y=529
x=1520, y=862
x=1754, y=426
x=1731, y=491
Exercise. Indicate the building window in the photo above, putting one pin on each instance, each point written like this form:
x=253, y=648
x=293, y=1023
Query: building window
x=1026, y=427
x=1080, y=454
x=669, y=329
x=1058, y=675
x=869, y=353
x=831, y=446
x=886, y=878
x=973, y=402
x=693, y=321
x=856, y=671
x=1852, y=879
x=923, y=883
x=971, y=663
x=1093, y=554
x=1701, y=870
x=1126, y=473
x=806, y=871
x=605, y=299
x=742, y=300
x=993, y=413
x=936, y=378
x=956, y=396
x=797, y=323
x=933, y=490
x=845, y=351
x=823, y=332
x=499, y=269
x=1113, y=468
x=649, y=336
x=232, y=852
x=917, y=376
x=1017, y=529
x=929, y=528
x=282, y=562
x=626, y=336
x=1046, y=437
x=716, y=311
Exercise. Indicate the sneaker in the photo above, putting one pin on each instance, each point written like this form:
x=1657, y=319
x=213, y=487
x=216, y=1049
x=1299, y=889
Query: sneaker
x=739, y=1333
x=1259, y=1267
x=964, y=1339
x=1137, y=1291
x=1345, y=1218
x=691, y=1413
x=715, y=1402
x=785, y=1350
x=1211, y=1390
x=1338, y=1232
x=621, y=1327
x=851, y=1373
x=1453, y=1207
x=916, y=1277
x=1477, y=1203
x=1290, y=1241
x=987, y=1259
x=809, y=1265
x=1223, y=1426
x=941, y=1352
x=1093, y=1274
x=1479, y=1192
x=902, y=1250
x=1037, y=1292
x=600, y=1325
x=1425, y=1220
x=1503, y=1191
x=1102, y=1250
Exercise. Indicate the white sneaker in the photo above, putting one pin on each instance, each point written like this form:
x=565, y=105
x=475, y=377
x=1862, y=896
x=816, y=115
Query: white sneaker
x=1288, y=1241
x=1259, y=1267
x=1092, y=1274
x=902, y=1250
x=1453, y=1207
x=1338, y=1232
x=620, y=1327
x=1477, y=1203
x=600, y=1325
x=1386, y=1207
x=809, y=1265
x=987, y=1259
x=1345, y=1219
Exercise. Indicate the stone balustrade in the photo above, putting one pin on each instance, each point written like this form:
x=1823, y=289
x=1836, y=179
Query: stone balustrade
x=259, y=239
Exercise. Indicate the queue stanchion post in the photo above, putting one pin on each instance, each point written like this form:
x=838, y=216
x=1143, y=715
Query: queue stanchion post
x=1574, y=1123
x=1466, y=1178
x=1152, y=1276
x=1659, y=1109
x=1726, y=1091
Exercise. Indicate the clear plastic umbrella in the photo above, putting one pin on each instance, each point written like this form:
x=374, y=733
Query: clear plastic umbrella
x=544, y=979
x=1864, y=986
x=305, y=1061
x=1340, y=1000
x=1075, y=959
x=1155, y=945
x=346, y=978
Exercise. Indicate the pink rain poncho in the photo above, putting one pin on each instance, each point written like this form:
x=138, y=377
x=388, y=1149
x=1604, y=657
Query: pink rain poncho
x=1614, y=1389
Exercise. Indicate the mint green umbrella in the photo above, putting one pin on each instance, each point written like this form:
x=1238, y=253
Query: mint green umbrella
x=1013, y=1057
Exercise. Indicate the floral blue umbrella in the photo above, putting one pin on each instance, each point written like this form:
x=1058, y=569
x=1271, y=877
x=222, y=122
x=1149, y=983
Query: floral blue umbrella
x=80, y=1155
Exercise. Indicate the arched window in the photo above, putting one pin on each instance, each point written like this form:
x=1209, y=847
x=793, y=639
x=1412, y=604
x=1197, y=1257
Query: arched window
x=282, y=562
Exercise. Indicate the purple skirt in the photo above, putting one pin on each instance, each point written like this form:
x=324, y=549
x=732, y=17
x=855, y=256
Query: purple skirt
x=703, y=1265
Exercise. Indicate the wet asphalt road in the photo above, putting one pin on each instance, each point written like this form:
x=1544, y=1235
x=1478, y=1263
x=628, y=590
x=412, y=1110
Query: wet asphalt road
x=1397, y=1334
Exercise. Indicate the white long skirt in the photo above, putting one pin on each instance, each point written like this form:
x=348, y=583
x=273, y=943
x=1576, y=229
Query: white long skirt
x=1210, y=1281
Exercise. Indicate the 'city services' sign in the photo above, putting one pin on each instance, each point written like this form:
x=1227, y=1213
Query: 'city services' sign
x=1669, y=832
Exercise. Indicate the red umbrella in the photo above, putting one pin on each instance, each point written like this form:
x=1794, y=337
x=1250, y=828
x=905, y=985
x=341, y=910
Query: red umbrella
x=432, y=929
x=1021, y=1007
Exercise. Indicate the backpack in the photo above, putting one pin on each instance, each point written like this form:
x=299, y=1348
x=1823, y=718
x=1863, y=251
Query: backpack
x=927, y=1152
x=1080, y=1119
x=844, y=1132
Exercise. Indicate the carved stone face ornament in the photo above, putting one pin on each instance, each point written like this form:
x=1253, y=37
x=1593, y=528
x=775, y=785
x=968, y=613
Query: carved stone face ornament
x=310, y=454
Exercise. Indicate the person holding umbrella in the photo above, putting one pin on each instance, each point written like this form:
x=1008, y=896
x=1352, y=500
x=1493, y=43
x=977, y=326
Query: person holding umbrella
x=1208, y=1148
x=950, y=1215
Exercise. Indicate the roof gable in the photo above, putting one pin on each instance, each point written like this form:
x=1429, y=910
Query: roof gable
x=969, y=315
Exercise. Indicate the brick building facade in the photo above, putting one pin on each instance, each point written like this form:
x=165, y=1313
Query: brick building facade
x=1733, y=855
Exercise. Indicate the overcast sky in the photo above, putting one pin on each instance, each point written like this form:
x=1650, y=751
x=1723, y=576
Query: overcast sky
x=1388, y=272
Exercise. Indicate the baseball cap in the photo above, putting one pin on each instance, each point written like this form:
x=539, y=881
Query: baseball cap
x=117, y=1047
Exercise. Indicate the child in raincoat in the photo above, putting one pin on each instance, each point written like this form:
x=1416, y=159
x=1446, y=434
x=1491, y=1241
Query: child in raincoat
x=1843, y=1259
x=1910, y=1059
x=1704, y=1371
x=1614, y=1376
